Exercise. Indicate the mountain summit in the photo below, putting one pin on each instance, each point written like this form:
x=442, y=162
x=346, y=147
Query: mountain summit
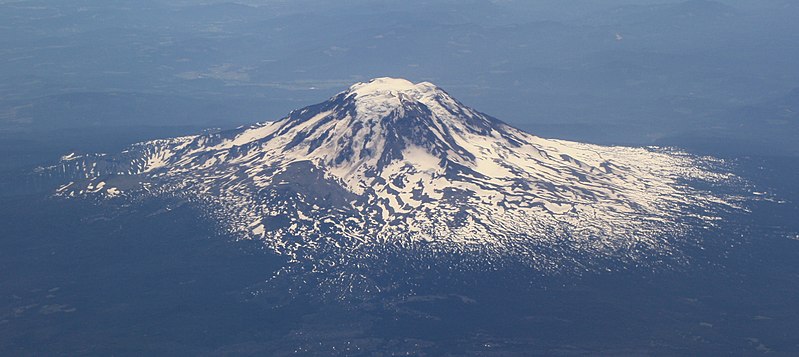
x=393, y=163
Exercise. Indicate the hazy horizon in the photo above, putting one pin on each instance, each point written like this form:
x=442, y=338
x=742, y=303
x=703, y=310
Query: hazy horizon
x=615, y=72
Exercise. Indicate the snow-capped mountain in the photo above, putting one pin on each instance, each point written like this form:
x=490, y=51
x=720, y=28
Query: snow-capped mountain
x=390, y=162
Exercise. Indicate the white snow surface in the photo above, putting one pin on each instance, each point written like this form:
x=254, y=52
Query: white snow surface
x=393, y=162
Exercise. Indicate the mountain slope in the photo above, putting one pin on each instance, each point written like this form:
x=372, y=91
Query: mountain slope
x=393, y=163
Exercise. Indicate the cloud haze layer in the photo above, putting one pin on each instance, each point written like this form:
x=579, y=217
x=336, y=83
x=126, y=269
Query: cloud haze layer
x=643, y=72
